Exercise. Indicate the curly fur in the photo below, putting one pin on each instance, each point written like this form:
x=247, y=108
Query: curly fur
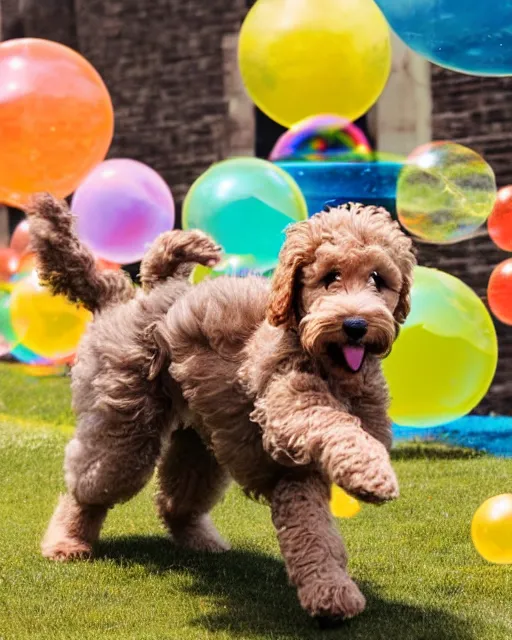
x=234, y=378
x=174, y=254
x=65, y=265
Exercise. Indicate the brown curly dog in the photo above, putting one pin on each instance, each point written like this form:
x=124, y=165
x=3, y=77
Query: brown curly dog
x=278, y=386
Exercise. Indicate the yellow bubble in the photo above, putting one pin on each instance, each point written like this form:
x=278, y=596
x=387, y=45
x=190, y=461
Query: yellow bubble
x=342, y=505
x=445, y=357
x=42, y=370
x=491, y=529
x=48, y=325
x=299, y=58
x=200, y=273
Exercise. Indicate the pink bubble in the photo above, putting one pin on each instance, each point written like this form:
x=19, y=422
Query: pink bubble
x=121, y=207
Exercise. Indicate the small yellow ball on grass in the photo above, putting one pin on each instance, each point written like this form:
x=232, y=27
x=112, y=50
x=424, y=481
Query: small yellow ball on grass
x=342, y=505
x=491, y=529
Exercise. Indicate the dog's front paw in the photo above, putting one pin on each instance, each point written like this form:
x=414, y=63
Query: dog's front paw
x=332, y=601
x=368, y=474
x=376, y=485
x=361, y=466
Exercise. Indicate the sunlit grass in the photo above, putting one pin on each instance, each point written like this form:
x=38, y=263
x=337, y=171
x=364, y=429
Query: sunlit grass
x=414, y=558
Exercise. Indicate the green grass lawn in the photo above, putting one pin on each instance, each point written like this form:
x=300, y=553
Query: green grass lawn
x=414, y=558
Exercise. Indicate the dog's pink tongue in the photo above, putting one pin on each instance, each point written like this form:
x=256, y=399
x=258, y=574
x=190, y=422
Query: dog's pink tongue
x=353, y=357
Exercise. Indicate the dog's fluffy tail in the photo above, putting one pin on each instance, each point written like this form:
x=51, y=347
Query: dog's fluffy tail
x=174, y=254
x=69, y=268
x=65, y=265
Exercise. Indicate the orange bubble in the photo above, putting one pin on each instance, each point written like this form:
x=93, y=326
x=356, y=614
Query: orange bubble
x=69, y=361
x=56, y=119
x=21, y=238
x=499, y=291
x=28, y=263
x=105, y=265
x=499, y=223
x=9, y=261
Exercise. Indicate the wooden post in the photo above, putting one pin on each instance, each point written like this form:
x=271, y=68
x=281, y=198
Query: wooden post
x=402, y=118
x=4, y=226
x=241, y=119
x=4, y=215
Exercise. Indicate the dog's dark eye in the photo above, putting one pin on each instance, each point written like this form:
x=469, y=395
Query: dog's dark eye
x=329, y=278
x=378, y=280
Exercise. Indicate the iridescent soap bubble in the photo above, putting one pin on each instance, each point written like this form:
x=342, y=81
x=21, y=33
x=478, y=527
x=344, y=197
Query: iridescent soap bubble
x=56, y=119
x=383, y=157
x=8, y=338
x=372, y=158
x=472, y=37
x=445, y=192
x=20, y=239
x=245, y=205
x=444, y=360
x=9, y=261
x=233, y=265
x=47, y=325
x=499, y=224
x=121, y=207
x=299, y=58
x=323, y=138
x=499, y=291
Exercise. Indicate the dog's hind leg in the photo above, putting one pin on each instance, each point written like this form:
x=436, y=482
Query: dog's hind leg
x=105, y=464
x=191, y=482
x=73, y=529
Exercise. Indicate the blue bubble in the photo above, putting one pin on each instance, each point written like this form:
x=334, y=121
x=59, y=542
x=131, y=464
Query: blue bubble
x=472, y=37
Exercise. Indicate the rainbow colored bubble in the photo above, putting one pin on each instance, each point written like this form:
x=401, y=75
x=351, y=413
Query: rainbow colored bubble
x=322, y=138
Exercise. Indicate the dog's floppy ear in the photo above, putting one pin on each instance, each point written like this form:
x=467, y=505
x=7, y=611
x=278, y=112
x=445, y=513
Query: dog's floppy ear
x=294, y=254
x=404, y=301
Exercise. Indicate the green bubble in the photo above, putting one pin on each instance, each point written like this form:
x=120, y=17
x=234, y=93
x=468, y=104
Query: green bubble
x=245, y=204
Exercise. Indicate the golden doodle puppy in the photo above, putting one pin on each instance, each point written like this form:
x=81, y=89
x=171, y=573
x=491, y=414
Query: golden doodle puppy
x=277, y=386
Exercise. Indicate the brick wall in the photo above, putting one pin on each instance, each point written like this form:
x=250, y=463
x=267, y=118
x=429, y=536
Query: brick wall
x=166, y=64
x=476, y=112
x=163, y=63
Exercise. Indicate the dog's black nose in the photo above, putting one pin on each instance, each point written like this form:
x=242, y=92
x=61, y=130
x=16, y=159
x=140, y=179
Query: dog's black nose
x=355, y=328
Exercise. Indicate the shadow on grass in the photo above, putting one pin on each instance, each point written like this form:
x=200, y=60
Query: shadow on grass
x=251, y=595
x=433, y=450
